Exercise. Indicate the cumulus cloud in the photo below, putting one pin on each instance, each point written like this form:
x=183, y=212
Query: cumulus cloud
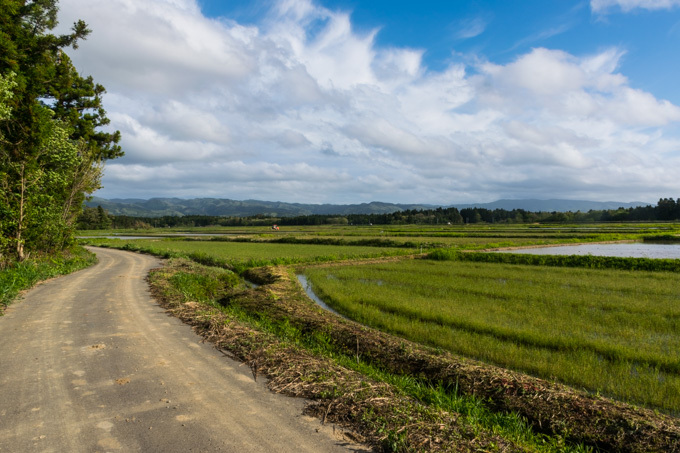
x=301, y=107
x=600, y=6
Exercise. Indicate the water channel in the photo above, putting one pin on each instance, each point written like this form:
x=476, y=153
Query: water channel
x=310, y=293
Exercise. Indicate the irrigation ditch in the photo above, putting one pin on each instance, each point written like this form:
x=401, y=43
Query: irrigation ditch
x=312, y=295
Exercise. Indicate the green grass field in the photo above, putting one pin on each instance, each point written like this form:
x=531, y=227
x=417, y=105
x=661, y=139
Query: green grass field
x=464, y=237
x=241, y=255
x=609, y=331
x=373, y=230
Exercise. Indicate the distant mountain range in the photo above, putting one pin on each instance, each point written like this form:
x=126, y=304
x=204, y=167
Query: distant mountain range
x=157, y=207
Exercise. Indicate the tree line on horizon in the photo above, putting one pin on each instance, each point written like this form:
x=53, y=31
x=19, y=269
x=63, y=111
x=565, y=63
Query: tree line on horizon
x=667, y=209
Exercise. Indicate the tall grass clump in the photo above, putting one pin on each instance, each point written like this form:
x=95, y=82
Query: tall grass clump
x=189, y=281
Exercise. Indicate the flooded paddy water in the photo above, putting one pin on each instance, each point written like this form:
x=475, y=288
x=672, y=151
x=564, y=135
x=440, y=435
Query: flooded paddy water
x=622, y=250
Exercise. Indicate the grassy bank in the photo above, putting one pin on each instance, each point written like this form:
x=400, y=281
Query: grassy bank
x=16, y=277
x=581, y=261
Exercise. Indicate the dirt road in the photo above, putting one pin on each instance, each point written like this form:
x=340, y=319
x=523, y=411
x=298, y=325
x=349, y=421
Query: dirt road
x=88, y=363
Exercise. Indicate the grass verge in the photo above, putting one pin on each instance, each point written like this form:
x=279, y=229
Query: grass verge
x=17, y=277
x=344, y=390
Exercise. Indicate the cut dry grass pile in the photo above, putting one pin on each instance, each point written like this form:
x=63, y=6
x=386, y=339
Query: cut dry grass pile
x=376, y=413
x=381, y=415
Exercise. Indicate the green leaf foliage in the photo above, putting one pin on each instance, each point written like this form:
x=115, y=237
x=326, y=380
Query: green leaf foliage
x=51, y=148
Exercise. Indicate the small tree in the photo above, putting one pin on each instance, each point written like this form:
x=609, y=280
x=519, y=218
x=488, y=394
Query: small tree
x=104, y=220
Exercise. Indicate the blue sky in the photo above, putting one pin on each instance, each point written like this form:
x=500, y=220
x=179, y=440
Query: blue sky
x=347, y=101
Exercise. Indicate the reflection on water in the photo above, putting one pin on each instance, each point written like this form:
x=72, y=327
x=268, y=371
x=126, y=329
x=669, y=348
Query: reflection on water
x=625, y=250
x=310, y=293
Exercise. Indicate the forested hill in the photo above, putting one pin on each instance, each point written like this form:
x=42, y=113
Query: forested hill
x=159, y=207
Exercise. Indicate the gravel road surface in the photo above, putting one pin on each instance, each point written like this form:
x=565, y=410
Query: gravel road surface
x=90, y=363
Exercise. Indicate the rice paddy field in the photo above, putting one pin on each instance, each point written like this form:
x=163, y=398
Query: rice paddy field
x=241, y=255
x=607, y=331
x=464, y=237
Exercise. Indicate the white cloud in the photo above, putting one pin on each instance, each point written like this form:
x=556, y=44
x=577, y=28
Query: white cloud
x=470, y=28
x=159, y=46
x=146, y=144
x=302, y=108
x=561, y=86
x=541, y=73
x=600, y=6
